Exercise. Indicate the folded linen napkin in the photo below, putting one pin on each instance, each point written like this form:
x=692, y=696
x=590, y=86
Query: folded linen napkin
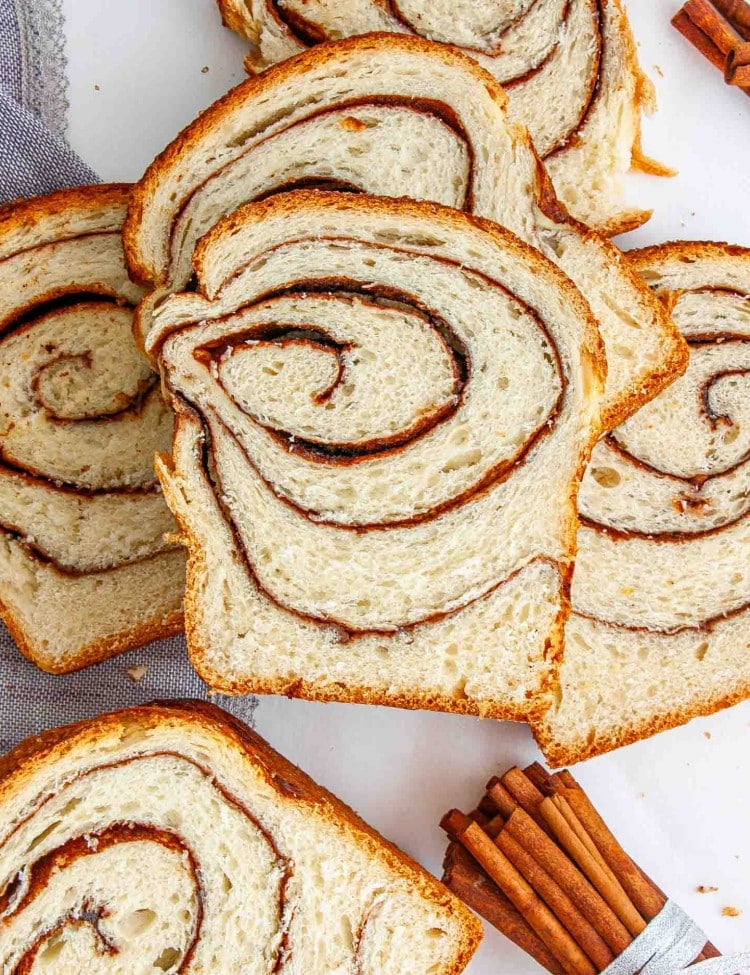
x=35, y=159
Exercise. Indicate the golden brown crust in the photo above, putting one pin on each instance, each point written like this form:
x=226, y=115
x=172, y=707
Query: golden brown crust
x=697, y=249
x=170, y=625
x=286, y=779
x=29, y=212
x=624, y=222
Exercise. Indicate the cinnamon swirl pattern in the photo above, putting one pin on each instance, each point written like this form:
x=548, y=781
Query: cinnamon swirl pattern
x=569, y=67
x=391, y=116
x=660, y=630
x=223, y=858
x=371, y=398
x=84, y=567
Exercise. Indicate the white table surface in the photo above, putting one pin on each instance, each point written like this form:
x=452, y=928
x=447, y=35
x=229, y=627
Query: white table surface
x=680, y=802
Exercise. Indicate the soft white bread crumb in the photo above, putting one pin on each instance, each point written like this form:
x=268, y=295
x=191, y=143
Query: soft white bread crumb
x=393, y=116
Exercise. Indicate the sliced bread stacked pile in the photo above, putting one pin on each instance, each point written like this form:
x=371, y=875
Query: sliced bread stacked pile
x=381, y=426
x=386, y=407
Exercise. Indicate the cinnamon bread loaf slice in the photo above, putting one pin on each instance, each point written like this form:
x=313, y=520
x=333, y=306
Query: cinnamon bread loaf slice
x=393, y=116
x=170, y=837
x=660, y=630
x=383, y=412
x=85, y=571
x=569, y=67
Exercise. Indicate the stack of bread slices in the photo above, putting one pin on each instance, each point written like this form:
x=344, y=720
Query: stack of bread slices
x=427, y=445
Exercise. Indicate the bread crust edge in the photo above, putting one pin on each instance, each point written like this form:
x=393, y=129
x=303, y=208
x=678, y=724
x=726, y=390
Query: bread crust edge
x=30, y=210
x=95, y=652
x=559, y=755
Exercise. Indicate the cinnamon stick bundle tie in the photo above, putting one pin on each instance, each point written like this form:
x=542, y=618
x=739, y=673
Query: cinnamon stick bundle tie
x=668, y=946
x=547, y=871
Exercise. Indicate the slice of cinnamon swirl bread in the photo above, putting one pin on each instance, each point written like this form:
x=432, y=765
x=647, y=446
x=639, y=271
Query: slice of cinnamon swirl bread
x=224, y=858
x=660, y=630
x=383, y=412
x=85, y=570
x=393, y=116
x=569, y=67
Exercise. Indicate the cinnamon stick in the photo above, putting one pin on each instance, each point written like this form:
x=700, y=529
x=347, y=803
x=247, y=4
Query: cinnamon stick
x=737, y=12
x=601, y=877
x=588, y=901
x=557, y=881
x=586, y=936
x=534, y=911
x=647, y=898
x=494, y=826
x=700, y=41
x=704, y=16
x=523, y=790
x=566, y=778
x=577, y=826
x=468, y=881
x=499, y=798
x=541, y=778
x=537, y=774
x=737, y=68
x=708, y=32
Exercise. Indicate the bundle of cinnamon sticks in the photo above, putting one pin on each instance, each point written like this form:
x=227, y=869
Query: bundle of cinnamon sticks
x=539, y=863
x=720, y=30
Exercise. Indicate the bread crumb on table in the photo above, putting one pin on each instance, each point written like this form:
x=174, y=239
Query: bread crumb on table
x=204, y=69
x=707, y=734
x=704, y=889
x=136, y=674
x=730, y=911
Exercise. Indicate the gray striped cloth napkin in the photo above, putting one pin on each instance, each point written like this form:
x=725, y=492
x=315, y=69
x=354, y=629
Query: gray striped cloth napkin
x=35, y=159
